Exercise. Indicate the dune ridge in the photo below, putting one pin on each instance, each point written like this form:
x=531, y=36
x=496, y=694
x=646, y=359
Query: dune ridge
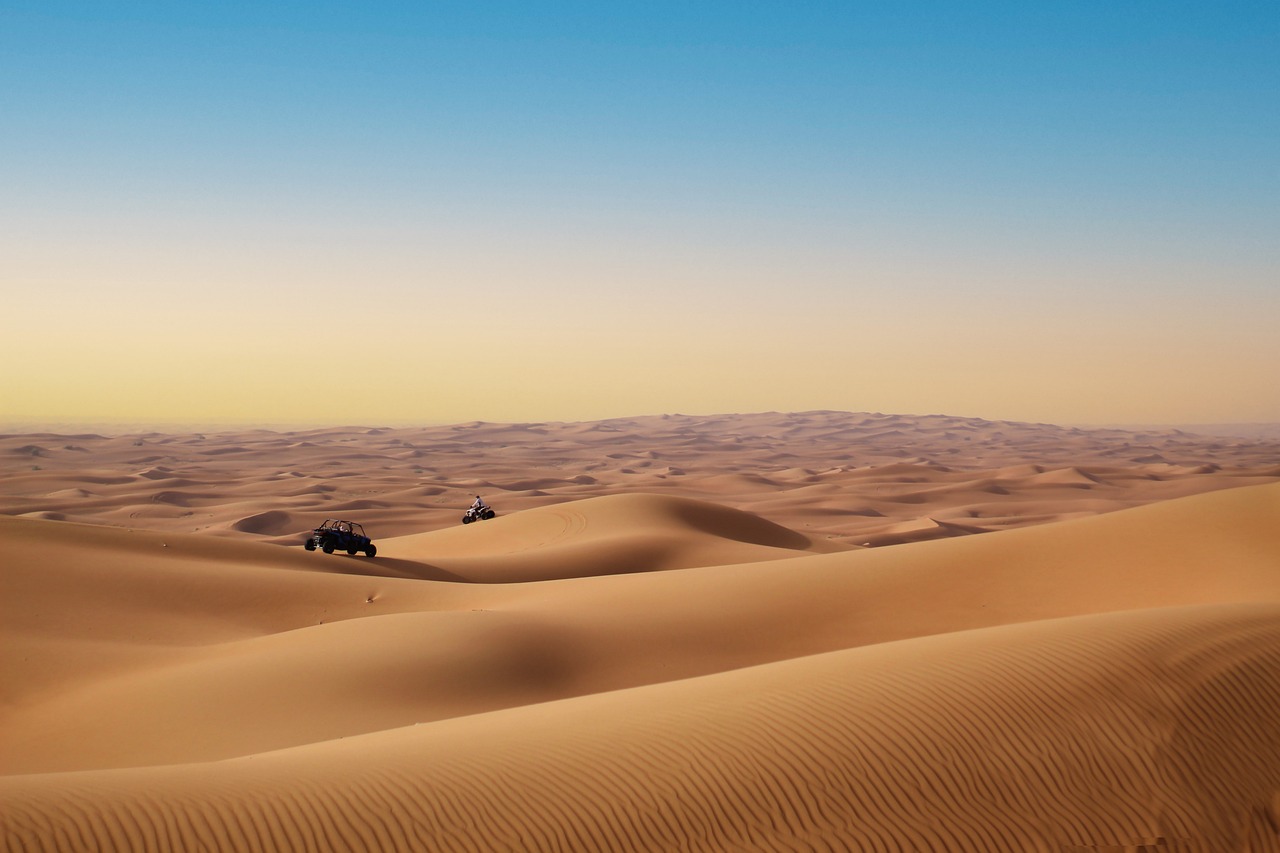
x=651, y=669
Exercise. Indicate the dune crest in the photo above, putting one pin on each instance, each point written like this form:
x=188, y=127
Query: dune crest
x=616, y=534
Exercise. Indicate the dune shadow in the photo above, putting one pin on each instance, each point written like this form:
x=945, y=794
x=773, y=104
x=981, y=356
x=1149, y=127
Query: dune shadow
x=391, y=567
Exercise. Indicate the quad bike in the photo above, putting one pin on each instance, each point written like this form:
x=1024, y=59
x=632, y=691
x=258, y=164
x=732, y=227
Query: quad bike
x=335, y=535
x=478, y=513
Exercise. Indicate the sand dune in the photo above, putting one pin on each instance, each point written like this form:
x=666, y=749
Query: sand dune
x=610, y=535
x=803, y=471
x=1109, y=732
x=650, y=668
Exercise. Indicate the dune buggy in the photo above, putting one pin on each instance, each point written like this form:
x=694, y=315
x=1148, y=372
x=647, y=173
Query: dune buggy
x=337, y=535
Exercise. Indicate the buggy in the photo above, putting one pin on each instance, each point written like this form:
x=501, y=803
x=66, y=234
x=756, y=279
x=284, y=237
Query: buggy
x=337, y=535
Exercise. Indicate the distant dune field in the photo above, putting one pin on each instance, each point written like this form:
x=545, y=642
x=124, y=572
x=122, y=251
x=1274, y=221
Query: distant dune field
x=849, y=479
x=781, y=631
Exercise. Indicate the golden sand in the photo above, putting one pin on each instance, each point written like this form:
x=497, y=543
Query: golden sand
x=674, y=636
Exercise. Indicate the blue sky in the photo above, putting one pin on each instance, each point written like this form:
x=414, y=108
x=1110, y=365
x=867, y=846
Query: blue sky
x=783, y=174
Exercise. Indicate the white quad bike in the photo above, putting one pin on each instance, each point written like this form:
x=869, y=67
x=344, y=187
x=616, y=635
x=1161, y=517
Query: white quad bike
x=478, y=513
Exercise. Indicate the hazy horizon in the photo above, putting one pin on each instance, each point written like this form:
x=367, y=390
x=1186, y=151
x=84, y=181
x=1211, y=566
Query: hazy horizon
x=260, y=213
x=1264, y=430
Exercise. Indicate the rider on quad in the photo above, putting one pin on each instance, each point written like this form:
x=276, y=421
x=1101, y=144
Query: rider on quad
x=478, y=511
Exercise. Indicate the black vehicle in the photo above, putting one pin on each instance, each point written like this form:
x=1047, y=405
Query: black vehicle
x=336, y=535
x=478, y=513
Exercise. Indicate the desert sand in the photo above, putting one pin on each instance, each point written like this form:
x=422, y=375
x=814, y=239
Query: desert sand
x=777, y=631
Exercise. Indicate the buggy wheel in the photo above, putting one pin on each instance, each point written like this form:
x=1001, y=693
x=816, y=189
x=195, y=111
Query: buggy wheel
x=370, y=550
x=328, y=547
x=466, y=519
x=310, y=544
x=488, y=514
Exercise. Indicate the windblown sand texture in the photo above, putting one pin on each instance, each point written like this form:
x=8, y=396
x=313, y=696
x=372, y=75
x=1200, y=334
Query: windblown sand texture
x=670, y=638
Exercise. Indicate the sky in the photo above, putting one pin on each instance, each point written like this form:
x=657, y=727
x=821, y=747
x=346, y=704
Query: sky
x=388, y=213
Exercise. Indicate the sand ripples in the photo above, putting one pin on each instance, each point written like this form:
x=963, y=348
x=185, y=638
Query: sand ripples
x=1108, y=731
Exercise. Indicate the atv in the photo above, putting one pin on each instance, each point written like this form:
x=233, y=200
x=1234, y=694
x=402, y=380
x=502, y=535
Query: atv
x=478, y=513
x=335, y=535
